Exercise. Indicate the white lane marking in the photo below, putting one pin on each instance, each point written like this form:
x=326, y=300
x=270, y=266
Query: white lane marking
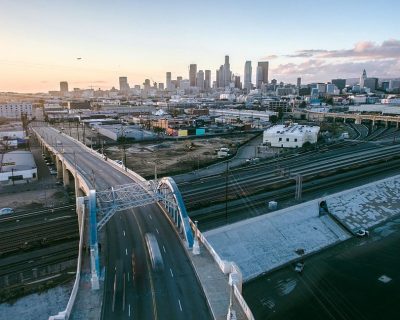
x=124, y=233
x=126, y=251
x=115, y=269
x=129, y=310
x=180, y=306
x=58, y=218
x=128, y=276
x=157, y=231
x=164, y=249
x=123, y=297
x=151, y=218
x=170, y=270
x=115, y=287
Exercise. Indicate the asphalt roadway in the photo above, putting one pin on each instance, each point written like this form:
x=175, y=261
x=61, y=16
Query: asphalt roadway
x=132, y=289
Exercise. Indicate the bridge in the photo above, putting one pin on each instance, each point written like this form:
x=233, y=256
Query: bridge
x=120, y=207
x=358, y=118
x=126, y=208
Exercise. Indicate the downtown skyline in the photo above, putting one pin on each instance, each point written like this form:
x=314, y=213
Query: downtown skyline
x=138, y=40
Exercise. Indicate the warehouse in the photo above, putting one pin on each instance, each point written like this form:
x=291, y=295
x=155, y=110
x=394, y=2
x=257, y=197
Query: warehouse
x=17, y=167
x=290, y=135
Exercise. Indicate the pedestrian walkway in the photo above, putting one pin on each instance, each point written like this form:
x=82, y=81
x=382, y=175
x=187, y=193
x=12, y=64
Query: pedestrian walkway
x=215, y=285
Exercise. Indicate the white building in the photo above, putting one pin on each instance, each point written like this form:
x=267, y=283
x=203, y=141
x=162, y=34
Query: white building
x=17, y=167
x=290, y=136
x=14, y=110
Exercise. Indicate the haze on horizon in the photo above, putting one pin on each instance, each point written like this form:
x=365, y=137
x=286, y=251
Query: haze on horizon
x=315, y=40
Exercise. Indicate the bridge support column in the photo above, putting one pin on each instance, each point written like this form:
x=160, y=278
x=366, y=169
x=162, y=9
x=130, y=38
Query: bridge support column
x=65, y=175
x=196, y=245
x=59, y=168
x=397, y=125
x=94, y=247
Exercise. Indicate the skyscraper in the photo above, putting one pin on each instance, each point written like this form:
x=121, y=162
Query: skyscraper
x=339, y=83
x=63, y=86
x=207, y=80
x=123, y=84
x=200, y=80
x=178, y=82
x=362, y=78
x=298, y=83
x=227, y=72
x=247, y=76
x=168, y=81
x=192, y=74
x=262, y=73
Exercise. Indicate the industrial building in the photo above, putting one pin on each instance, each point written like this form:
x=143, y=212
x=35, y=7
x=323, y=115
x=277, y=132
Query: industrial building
x=290, y=135
x=14, y=110
x=115, y=132
x=17, y=167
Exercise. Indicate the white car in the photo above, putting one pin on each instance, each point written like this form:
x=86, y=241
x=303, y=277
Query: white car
x=6, y=211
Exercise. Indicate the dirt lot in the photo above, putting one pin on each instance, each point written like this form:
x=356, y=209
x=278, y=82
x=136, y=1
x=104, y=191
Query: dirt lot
x=175, y=156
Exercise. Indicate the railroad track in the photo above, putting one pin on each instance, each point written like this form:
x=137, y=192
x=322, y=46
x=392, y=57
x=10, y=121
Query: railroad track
x=246, y=207
x=262, y=180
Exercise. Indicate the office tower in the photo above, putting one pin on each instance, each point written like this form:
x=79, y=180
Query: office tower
x=238, y=84
x=178, y=82
x=227, y=72
x=371, y=83
x=339, y=83
x=298, y=83
x=217, y=79
x=161, y=86
x=262, y=73
x=207, y=80
x=200, y=80
x=146, y=84
x=220, y=79
x=192, y=74
x=362, y=78
x=63, y=86
x=247, y=76
x=168, y=81
x=123, y=84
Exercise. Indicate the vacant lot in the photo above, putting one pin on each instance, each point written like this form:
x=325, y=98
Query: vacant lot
x=174, y=156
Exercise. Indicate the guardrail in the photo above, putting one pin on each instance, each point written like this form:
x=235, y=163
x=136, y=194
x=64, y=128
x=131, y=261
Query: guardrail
x=228, y=267
x=64, y=315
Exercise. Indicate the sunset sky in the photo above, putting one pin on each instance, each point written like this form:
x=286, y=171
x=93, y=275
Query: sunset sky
x=40, y=41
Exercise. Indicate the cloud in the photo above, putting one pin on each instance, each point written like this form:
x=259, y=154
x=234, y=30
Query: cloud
x=270, y=57
x=324, y=70
x=389, y=49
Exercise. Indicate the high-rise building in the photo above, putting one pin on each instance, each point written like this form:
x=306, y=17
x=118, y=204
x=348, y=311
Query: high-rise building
x=238, y=84
x=371, y=83
x=298, y=83
x=168, y=81
x=247, y=76
x=178, y=82
x=123, y=84
x=192, y=74
x=63, y=86
x=200, y=80
x=207, y=80
x=220, y=80
x=339, y=83
x=262, y=73
x=146, y=84
x=227, y=72
x=362, y=78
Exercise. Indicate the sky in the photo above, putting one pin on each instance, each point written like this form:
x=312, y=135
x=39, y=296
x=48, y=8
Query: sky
x=40, y=41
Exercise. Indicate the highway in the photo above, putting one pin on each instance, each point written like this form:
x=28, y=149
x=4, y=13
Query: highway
x=132, y=290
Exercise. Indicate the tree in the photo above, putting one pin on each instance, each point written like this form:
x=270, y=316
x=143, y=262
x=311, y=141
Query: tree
x=273, y=119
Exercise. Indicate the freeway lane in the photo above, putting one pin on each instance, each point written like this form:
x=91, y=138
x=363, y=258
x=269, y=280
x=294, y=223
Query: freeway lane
x=134, y=290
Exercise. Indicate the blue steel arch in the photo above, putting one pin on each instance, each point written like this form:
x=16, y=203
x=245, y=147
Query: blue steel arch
x=172, y=200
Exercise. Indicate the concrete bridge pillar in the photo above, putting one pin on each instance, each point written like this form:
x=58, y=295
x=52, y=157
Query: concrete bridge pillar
x=59, y=168
x=386, y=124
x=65, y=175
x=358, y=121
x=397, y=124
x=80, y=209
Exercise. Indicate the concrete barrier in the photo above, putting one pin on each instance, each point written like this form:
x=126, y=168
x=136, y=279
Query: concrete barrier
x=64, y=315
x=228, y=267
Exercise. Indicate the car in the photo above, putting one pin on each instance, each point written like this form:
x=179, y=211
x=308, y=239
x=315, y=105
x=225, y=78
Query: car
x=6, y=211
x=362, y=233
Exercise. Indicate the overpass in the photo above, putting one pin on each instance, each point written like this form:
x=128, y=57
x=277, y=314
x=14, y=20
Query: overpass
x=358, y=118
x=126, y=208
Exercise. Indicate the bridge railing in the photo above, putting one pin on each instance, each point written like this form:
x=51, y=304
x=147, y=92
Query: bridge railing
x=64, y=315
x=227, y=267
